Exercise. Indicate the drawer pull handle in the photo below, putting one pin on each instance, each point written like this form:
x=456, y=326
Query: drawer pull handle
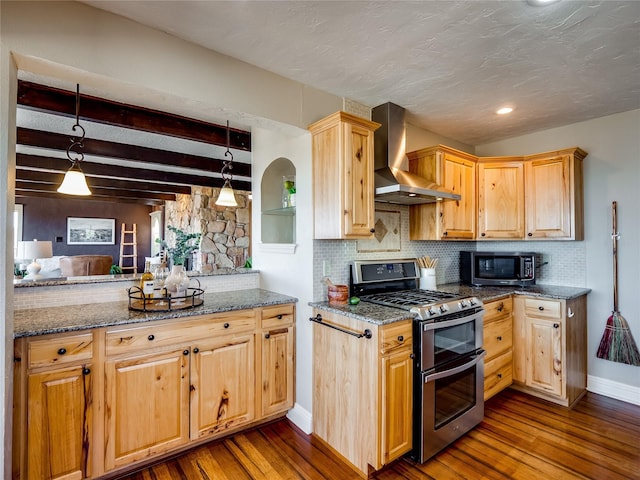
x=541, y=308
x=185, y=352
x=226, y=325
x=279, y=317
x=500, y=307
x=62, y=351
x=499, y=375
x=499, y=338
x=556, y=325
x=86, y=371
x=196, y=350
x=400, y=338
x=266, y=335
x=412, y=356
x=151, y=337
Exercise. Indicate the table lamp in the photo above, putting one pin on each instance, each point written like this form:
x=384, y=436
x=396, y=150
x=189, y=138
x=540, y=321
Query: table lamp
x=34, y=250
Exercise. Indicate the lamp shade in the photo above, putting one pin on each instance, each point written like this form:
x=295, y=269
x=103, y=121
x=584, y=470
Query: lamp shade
x=226, y=197
x=74, y=183
x=34, y=249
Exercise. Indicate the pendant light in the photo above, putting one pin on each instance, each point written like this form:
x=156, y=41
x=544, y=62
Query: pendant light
x=226, y=198
x=74, y=182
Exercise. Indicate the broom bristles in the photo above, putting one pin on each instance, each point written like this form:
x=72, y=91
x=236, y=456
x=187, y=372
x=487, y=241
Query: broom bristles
x=617, y=342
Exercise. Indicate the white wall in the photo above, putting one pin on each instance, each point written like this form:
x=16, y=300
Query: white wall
x=289, y=272
x=611, y=172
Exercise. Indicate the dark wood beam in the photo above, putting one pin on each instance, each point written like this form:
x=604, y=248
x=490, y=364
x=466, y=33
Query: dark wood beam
x=140, y=174
x=93, y=198
x=102, y=148
x=55, y=100
x=56, y=179
x=97, y=191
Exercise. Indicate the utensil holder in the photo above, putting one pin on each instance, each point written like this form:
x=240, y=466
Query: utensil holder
x=428, y=279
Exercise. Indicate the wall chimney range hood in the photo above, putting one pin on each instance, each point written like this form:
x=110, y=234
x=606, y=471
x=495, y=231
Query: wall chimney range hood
x=393, y=185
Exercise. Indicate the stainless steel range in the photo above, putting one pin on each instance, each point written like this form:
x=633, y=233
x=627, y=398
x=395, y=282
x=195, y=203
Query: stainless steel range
x=449, y=367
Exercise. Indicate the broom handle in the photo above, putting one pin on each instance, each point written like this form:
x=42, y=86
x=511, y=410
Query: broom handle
x=615, y=236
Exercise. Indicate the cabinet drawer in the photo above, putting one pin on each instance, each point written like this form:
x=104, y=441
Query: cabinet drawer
x=534, y=307
x=498, y=336
x=126, y=340
x=277, y=316
x=498, y=374
x=396, y=335
x=60, y=349
x=497, y=308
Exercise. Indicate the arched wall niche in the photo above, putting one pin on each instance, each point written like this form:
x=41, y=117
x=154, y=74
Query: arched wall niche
x=278, y=220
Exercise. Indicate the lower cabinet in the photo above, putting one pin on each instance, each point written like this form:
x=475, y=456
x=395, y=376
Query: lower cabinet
x=362, y=389
x=498, y=342
x=550, y=359
x=92, y=403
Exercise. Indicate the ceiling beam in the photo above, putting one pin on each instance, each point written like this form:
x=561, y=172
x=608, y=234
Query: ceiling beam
x=100, y=192
x=49, y=99
x=56, y=179
x=102, y=148
x=141, y=201
x=140, y=174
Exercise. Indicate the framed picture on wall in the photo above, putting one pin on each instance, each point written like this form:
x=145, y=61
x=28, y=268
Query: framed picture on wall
x=91, y=231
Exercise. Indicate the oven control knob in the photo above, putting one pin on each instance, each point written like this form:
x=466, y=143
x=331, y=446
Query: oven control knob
x=472, y=302
x=432, y=311
x=463, y=304
x=443, y=308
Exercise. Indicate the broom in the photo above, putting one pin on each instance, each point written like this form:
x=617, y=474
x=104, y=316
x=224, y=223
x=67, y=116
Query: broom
x=617, y=342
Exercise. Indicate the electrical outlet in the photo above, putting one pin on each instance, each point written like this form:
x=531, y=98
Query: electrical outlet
x=326, y=268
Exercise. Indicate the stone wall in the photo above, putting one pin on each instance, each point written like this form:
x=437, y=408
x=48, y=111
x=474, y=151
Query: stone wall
x=225, y=241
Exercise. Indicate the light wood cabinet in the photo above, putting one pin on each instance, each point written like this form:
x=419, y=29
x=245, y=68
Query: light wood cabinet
x=278, y=359
x=447, y=219
x=95, y=402
x=362, y=389
x=53, y=429
x=343, y=181
x=554, y=202
x=500, y=200
x=498, y=343
x=550, y=338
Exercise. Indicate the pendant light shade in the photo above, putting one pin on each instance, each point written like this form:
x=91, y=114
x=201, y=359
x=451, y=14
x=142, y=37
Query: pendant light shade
x=227, y=198
x=74, y=182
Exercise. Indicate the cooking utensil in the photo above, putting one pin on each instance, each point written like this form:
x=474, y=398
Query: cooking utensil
x=617, y=342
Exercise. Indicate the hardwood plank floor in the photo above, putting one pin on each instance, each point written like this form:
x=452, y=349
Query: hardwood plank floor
x=521, y=437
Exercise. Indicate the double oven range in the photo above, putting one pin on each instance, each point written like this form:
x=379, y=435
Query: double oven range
x=449, y=365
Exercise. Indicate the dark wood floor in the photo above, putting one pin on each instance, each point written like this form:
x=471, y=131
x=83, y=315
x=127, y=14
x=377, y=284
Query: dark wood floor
x=520, y=438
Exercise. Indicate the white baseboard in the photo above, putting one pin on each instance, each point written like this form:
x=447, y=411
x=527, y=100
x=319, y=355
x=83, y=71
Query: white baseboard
x=301, y=417
x=617, y=390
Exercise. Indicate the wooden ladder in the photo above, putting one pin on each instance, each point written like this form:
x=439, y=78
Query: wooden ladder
x=132, y=253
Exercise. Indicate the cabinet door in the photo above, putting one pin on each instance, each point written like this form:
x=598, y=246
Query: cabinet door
x=147, y=405
x=459, y=216
x=59, y=426
x=501, y=200
x=544, y=347
x=397, y=404
x=222, y=385
x=277, y=370
x=548, y=201
x=358, y=181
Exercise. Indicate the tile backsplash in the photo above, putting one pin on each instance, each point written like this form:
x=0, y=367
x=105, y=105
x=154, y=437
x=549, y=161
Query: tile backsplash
x=562, y=262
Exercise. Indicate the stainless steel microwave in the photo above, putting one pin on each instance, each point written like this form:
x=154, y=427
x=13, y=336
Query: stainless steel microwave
x=498, y=268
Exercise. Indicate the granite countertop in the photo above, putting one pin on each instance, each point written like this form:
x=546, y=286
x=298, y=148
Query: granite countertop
x=127, y=277
x=40, y=321
x=381, y=315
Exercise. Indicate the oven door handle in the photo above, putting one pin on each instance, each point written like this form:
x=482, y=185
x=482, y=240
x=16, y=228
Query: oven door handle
x=461, y=368
x=452, y=323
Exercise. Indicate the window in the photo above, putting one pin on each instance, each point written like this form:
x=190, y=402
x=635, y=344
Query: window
x=17, y=228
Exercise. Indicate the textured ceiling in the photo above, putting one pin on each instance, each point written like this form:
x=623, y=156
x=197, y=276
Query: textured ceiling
x=451, y=64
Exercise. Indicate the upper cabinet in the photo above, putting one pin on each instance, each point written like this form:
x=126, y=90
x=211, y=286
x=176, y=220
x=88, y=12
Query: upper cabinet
x=447, y=219
x=554, y=202
x=501, y=200
x=343, y=181
x=534, y=197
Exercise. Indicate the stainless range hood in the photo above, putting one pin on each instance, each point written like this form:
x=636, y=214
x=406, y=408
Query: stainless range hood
x=393, y=185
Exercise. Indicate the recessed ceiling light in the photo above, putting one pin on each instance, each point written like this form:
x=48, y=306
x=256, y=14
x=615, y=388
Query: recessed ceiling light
x=541, y=3
x=504, y=110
